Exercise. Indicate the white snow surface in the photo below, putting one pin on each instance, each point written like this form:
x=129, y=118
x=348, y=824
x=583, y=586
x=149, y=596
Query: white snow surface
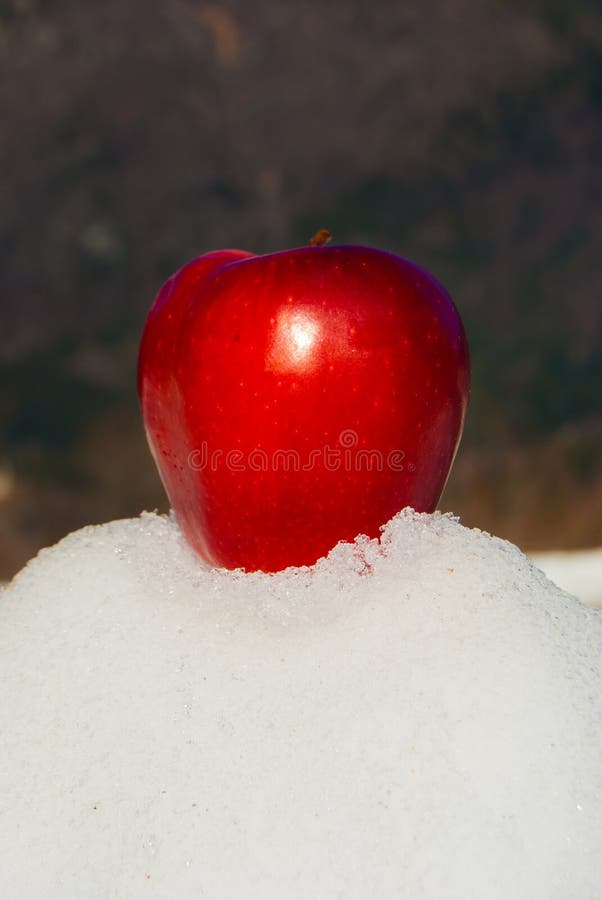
x=578, y=572
x=416, y=718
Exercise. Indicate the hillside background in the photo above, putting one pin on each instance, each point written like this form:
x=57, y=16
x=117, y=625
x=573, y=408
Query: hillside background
x=466, y=136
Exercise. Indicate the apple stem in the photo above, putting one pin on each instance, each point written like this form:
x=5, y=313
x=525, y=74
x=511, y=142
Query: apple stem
x=321, y=238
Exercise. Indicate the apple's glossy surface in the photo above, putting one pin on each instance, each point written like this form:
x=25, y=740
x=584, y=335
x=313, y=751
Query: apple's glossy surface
x=300, y=398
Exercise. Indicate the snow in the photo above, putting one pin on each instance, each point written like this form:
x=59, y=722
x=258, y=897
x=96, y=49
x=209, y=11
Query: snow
x=578, y=572
x=420, y=717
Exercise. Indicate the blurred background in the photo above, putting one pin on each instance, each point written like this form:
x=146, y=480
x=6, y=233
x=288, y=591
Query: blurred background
x=134, y=136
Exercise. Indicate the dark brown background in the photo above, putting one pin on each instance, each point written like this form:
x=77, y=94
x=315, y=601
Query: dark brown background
x=464, y=135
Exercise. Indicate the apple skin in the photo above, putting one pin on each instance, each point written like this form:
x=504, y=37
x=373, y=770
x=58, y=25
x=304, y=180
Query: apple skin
x=317, y=352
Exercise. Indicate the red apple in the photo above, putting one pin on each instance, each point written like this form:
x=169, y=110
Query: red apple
x=300, y=398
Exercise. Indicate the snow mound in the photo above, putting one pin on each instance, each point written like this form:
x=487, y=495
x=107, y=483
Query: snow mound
x=419, y=717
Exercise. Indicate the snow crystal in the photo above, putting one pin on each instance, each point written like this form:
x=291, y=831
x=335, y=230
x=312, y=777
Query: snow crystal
x=416, y=717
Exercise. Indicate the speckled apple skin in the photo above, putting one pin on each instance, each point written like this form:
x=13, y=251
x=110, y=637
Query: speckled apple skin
x=300, y=398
